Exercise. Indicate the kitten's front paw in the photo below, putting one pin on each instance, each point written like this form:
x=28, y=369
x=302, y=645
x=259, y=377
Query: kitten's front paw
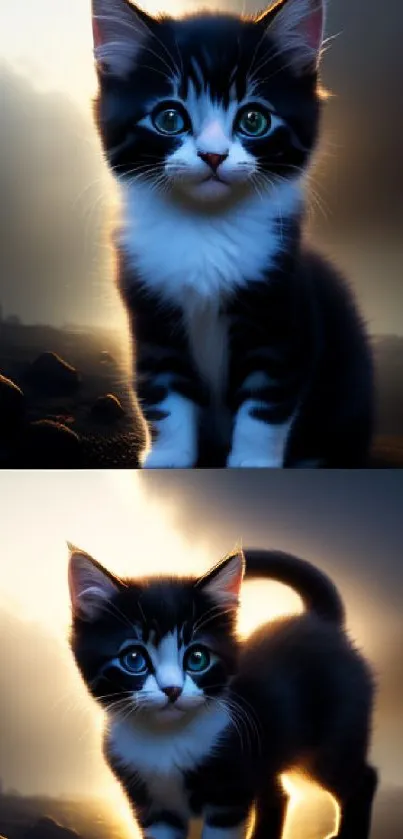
x=240, y=461
x=168, y=458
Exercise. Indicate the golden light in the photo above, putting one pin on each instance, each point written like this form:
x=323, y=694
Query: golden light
x=264, y=601
x=53, y=49
x=116, y=518
x=303, y=795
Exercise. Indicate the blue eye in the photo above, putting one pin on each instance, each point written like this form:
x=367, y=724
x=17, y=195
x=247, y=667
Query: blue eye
x=169, y=121
x=253, y=122
x=197, y=660
x=133, y=661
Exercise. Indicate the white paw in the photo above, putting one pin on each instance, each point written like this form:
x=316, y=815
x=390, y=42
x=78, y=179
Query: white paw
x=240, y=461
x=168, y=458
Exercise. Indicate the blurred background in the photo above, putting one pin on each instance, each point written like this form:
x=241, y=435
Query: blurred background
x=136, y=523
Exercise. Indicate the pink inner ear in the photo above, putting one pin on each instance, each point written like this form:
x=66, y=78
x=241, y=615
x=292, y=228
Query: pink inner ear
x=314, y=28
x=96, y=33
x=234, y=586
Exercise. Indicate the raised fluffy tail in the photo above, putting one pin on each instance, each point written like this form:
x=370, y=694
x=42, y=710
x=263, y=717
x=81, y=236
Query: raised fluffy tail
x=315, y=588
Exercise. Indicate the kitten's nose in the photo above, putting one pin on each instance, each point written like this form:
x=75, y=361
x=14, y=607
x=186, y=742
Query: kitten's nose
x=172, y=693
x=212, y=160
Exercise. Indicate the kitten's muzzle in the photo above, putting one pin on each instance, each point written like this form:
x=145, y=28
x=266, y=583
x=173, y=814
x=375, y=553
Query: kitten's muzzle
x=173, y=693
x=212, y=160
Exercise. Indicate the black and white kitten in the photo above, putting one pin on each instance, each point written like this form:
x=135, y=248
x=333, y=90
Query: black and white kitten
x=200, y=723
x=248, y=347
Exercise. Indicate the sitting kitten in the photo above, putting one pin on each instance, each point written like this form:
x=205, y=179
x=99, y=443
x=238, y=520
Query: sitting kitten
x=201, y=723
x=248, y=347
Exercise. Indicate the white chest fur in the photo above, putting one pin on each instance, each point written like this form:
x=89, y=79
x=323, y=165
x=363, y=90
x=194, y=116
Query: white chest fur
x=160, y=756
x=194, y=261
x=208, y=340
x=176, y=251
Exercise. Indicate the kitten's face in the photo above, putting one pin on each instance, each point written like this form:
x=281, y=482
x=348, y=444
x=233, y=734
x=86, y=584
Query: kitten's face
x=160, y=648
x=210, y=107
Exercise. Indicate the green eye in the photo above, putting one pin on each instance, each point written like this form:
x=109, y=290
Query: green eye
x=133, y=661
x=254, y=123
x=169, y=121
x=198, y=659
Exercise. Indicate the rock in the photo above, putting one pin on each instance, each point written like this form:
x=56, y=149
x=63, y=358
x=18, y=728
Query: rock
x=107, y=409
x=47, y=828
x=50, y=445
x=12, y=407
x=52, y=375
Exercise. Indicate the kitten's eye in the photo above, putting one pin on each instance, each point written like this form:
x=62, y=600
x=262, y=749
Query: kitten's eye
x=197, y=659
x=133, y=661
x=253, y=123
x=169, y=121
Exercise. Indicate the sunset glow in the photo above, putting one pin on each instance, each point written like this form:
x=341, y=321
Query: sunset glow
x=54, y=46
x=113, y=517
x=121, y=533
x=140, y=523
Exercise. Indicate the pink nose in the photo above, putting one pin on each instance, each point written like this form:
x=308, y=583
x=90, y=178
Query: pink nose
x=212, y=160
x=172, y=693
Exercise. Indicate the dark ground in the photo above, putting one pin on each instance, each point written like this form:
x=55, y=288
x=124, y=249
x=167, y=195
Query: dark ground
x=93, y=819
x=98, y=360
x=111, y=441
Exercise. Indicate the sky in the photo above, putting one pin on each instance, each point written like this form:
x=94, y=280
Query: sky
x=56, y=264
x=349, y=524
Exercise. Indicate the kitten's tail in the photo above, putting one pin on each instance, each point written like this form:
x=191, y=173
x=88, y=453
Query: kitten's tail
x=315, y=588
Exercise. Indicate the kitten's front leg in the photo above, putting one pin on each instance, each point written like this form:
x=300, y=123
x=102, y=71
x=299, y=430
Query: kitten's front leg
x=175, y=423
x=168, y=401
x=262, y=423
x=164, y=380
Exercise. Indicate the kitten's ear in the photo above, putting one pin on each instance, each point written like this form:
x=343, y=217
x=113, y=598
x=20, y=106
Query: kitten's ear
x=223, y=582
x=119, y=28
x=297, y=26
x=91, y=586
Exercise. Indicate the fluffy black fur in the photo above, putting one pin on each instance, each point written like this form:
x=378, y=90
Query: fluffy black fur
x=301, y=326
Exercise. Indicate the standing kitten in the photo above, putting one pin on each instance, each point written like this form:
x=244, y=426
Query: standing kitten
x=201, y=723
x=248, y=347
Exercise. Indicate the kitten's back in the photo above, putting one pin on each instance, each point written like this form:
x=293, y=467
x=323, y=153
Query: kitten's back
x=309, y=687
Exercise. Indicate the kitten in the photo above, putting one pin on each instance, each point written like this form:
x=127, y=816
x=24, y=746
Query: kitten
x=201, y=723
x=248, y=349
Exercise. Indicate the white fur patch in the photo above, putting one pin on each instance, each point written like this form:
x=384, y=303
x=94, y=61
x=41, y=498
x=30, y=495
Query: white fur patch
x=161, y=830
x=176, y=444
x=208, y=339
x=195, y=261
x=168, y=664
x=160, y=755
x=178, y=252
x=256, y=443
x=167, y=661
